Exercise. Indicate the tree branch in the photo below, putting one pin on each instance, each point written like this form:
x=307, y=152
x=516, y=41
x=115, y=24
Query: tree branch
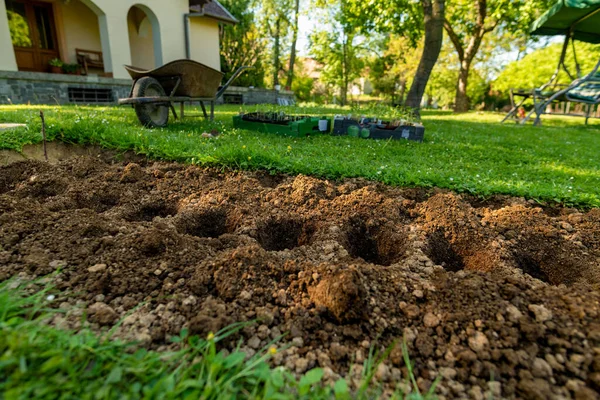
x=455, y=40
x=490, y=28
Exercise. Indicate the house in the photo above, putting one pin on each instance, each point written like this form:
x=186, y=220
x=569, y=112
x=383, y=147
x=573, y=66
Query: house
x=101, y=36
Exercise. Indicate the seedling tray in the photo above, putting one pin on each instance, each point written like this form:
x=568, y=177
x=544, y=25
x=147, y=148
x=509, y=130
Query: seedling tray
x=371, y=130
x=282, y=124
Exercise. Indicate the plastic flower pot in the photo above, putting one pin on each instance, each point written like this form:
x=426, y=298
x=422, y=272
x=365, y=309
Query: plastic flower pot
x=353, y=131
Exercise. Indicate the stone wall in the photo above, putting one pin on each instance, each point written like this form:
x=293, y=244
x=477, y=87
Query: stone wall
x=256, y=96
x=42, y=88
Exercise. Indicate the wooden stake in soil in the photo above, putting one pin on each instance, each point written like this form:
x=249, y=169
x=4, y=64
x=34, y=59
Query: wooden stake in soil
x=44, y=134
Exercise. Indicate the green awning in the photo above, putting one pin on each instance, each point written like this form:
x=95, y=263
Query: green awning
x=565, y=13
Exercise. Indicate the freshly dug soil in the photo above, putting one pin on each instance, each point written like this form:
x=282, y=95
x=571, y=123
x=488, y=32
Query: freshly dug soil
x=500, y=297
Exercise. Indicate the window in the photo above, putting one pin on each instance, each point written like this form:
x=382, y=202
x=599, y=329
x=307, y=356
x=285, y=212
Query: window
x=90, y=95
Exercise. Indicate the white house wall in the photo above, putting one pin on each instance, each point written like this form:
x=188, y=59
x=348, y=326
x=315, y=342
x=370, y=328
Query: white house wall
x=81, y=29
x=8, y=62
x=141, y=43
x=204, y=41
x=170, y=22
x=113, y=33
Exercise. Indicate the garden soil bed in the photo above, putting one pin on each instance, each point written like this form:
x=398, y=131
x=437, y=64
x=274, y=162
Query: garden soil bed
x=500, y=297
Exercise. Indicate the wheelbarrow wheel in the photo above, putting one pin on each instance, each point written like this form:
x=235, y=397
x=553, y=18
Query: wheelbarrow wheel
x=150, y=115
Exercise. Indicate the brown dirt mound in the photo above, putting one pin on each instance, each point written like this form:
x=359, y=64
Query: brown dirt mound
x=499, y=297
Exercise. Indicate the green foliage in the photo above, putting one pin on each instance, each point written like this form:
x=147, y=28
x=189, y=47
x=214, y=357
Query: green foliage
x=391, y=72
x=469, y=22
x=536, y=68
x=275, y=23
x=402, y=17
x=512, y=16
x=302, y=85
x=338, y=47
x=19, y=30
x=39, y=361
x=468, y=153
x=242, y=45
x=56, y=62
x=70, y=68
x=442, y=86
x=339, y=56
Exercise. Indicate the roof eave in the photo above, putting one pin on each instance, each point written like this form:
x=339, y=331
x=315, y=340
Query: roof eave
x=200, y=12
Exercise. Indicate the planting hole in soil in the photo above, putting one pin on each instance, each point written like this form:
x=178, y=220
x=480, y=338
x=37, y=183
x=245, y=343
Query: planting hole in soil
x=530, y=266
x=441, y=252
x=280, y=234
x=45, y=188
x=150, y=209
x=354, y=278
x=268, y=180
x=373, y=243
x=99, y=201
x=210, y=223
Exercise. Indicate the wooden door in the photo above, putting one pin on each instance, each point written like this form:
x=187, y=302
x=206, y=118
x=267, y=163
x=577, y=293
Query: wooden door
x=33, y=34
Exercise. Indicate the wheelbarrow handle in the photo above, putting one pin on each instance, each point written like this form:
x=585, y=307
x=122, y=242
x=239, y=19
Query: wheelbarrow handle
x=230, y=81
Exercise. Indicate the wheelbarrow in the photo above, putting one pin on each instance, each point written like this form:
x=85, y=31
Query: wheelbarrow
x=185, y=81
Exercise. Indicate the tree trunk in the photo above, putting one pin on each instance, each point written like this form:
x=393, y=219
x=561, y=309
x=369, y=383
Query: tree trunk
x=461, y=101
x=290, y=77
x=402, y=91
x=434, y=35
x=467, y=53
x=344, y=88
x=276, y=52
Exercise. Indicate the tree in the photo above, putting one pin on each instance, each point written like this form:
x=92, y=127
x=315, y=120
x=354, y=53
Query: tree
x=241, y=44
x=412, y=20
x=338, y=48
x=467, y=22
x=392, y=69
x=441, y=88
x=276, y=22
x=433, y=19
x=295, y=28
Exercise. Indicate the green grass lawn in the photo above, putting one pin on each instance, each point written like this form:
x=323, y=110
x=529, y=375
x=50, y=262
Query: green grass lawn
x=41, y=362
x=468, y=153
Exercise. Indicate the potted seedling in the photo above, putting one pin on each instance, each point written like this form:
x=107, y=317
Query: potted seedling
x=275, y=120
x=56, y=65
x=71, y=69
x=380, y=122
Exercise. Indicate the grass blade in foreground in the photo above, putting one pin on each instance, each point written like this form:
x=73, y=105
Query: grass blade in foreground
x=42, y=362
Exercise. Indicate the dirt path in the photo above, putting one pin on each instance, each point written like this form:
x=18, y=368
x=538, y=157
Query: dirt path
x=500, y=297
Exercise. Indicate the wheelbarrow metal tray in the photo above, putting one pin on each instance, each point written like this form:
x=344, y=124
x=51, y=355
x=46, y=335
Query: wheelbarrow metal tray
x=197, y=80
x=166, y=100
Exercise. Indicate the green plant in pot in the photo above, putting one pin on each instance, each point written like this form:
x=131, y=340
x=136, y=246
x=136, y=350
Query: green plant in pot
x=56, y=65
x=73, y=69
